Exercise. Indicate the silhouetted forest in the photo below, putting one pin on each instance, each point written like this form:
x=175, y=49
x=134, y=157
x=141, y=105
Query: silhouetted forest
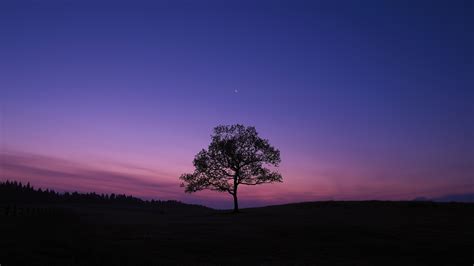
x=16, y=192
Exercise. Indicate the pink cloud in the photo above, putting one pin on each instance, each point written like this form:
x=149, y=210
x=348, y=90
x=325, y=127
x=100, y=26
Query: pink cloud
x=353, y=182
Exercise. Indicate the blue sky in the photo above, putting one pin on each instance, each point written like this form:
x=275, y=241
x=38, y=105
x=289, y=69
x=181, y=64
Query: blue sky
x=363, y=99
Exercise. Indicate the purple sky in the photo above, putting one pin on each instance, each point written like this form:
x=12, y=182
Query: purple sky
x=365, y=101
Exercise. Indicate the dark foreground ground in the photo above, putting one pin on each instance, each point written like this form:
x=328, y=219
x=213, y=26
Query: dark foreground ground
x=324, y=233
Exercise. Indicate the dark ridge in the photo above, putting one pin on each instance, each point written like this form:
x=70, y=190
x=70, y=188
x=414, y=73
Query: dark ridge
x=364, y=204
x=16, y=192
x=456, y=198
x=461, y=198
x=90, y=229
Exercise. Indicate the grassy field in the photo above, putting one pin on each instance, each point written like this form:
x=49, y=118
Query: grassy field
x=319, y=233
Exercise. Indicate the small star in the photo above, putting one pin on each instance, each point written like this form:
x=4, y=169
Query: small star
x=236, y=91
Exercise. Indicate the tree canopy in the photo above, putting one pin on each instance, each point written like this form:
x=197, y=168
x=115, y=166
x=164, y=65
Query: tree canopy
x=236, y=156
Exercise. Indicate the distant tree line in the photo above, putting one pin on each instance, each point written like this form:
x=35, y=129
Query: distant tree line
x=16, y=192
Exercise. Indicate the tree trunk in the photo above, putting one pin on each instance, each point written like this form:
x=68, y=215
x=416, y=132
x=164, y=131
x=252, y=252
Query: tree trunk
x=236, y=203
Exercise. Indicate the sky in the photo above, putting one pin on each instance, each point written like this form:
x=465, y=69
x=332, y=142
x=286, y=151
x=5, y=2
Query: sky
x=365, y=100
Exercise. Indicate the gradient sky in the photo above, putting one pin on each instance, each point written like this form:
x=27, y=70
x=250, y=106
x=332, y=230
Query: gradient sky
x=365, y=100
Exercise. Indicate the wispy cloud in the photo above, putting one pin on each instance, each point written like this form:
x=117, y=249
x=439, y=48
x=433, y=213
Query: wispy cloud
x=124, y=177
x=52, y=172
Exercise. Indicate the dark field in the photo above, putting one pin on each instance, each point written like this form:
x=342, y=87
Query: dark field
x=320, y=233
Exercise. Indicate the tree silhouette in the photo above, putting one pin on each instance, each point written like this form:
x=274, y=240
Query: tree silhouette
x=236, y=156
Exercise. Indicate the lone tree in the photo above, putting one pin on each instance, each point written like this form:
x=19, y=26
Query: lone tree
x=236, y=156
